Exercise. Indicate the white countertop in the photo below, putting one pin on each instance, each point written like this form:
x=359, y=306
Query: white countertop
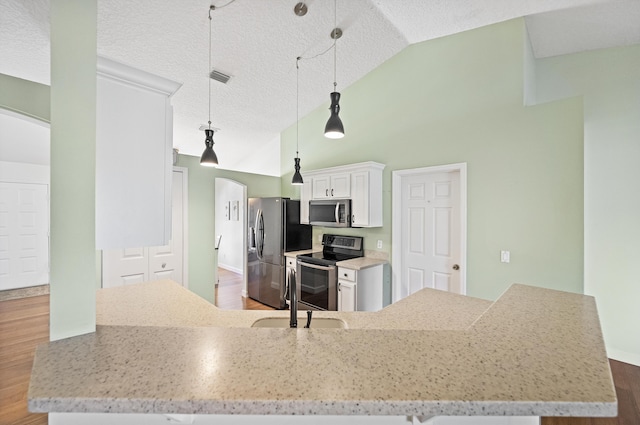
x=161, y=349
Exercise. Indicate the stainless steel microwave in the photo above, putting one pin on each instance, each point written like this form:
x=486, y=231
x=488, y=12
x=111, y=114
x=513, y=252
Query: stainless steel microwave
x=330, y=212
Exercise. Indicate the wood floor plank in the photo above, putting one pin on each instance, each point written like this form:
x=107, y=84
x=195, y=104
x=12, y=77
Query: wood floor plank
x=24, y=323
x=228, y=294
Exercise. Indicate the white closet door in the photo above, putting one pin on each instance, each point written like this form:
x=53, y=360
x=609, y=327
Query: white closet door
x=135, y=265
x=124, y=267
x=24, y=238
x=165, y=262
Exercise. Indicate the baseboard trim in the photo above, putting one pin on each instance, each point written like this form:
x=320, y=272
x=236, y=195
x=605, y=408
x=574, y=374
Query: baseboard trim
x=624, y=357
x=31, y=291
x=230, y=268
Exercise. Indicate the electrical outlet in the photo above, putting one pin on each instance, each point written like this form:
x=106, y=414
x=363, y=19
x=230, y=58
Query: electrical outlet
x=320, y=238
x=505, y=256
x=379, y=244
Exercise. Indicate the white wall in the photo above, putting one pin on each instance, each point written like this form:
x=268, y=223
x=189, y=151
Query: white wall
x=231, y=250
x=610, y=83
x=23, y=139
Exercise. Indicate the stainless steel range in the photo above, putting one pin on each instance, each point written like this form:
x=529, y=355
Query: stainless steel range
x=317, y=273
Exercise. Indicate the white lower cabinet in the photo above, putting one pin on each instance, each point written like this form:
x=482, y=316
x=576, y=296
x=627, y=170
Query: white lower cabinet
x=346, y=296
x=361, y=290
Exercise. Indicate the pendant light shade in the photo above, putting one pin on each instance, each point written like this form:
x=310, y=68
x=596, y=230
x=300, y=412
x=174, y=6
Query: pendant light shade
x=334, y=128
x=209, y=157
x=297, y=177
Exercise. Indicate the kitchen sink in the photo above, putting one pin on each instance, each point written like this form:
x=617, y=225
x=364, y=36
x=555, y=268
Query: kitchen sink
x=283, y=322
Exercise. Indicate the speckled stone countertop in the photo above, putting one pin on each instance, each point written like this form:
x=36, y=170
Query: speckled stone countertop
x=160, y=349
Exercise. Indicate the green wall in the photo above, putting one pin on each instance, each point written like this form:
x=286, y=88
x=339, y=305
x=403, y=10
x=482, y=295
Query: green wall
x=460, y=99
x=609, y=81
x=73, y=152
x=202, y=253
x=25, y=97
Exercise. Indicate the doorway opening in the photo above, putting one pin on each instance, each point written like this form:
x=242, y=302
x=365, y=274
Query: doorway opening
x=429, y=232
x=231, y=243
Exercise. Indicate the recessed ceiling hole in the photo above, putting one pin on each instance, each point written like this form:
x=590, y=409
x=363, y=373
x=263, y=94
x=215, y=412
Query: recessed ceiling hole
x=300, y=9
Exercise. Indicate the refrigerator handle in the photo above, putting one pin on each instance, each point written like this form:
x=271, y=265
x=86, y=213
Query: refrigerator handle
x=259, y=234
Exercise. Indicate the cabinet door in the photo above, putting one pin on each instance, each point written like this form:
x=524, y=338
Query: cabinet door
x=360, y=198
x=305, y=196
x=340, y=185
x=321, y=187
x=134, y=140
x=346, y=296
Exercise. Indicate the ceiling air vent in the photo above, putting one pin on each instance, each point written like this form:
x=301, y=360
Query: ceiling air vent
x=219, y=76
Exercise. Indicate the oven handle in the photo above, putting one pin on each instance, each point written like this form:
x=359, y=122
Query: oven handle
x=313, y=266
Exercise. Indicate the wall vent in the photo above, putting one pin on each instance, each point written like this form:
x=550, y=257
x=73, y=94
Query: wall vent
x=219, y=76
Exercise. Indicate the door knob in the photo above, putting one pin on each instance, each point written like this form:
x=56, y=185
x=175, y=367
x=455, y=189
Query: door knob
x=456, y=267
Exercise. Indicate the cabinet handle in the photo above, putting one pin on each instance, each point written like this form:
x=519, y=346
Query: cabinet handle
x=339, y=286
x=326, y=192
x=353, y=218
x=331, y=192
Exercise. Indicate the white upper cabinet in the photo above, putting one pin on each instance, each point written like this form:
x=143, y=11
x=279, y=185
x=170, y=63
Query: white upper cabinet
x=329, y=186
x=362, y=183
x=134, y=141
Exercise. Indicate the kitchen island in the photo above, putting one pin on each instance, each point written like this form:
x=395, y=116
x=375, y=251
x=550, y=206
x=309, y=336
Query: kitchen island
x=160, y=349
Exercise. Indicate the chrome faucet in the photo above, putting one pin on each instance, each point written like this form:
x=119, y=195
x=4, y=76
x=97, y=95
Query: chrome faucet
x=293, y=301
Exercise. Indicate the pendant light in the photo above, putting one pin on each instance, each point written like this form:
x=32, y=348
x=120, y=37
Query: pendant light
x=297, y=177
x=334, y=128
x=209, y=157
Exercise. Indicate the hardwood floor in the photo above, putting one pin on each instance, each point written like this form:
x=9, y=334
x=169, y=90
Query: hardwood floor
x=229, y=293
x=627, y=381
x=24, y=323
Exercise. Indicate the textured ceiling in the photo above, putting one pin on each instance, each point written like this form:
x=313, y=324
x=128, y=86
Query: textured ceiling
x=257, y=41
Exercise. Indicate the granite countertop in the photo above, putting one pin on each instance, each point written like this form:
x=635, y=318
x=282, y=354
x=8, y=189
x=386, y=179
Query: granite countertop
x=159, y=348
x=361, y=263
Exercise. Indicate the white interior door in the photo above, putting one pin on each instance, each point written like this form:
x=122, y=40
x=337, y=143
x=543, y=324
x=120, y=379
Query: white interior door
x=430, y=226
x=135, y=265
x=165, y=262
x=24, y=235
x=124, y=267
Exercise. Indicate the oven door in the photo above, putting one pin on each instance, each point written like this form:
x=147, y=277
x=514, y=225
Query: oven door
x=316, y=287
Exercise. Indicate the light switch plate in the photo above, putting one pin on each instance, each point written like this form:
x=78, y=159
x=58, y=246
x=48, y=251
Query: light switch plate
x=505, y=256
x=379, y=244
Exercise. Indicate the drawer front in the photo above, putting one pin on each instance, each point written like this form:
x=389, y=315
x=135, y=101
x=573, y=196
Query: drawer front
x=346, y=274
x=291, y=262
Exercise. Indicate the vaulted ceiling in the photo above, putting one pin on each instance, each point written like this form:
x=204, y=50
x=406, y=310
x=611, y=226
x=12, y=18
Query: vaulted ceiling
x=256, y=42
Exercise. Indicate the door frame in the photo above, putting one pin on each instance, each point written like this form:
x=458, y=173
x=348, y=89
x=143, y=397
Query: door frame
x=185, y=223
x=397, y=178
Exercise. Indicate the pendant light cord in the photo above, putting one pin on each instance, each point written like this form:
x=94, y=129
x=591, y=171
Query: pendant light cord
x=297, y=103
x=211, y=8
x=335, y=44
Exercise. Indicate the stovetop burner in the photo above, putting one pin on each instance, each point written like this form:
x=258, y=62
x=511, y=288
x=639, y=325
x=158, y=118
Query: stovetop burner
x=336, y=248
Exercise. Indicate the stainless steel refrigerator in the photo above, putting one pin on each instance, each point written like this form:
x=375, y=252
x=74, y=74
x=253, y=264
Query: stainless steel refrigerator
x=274, y=228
